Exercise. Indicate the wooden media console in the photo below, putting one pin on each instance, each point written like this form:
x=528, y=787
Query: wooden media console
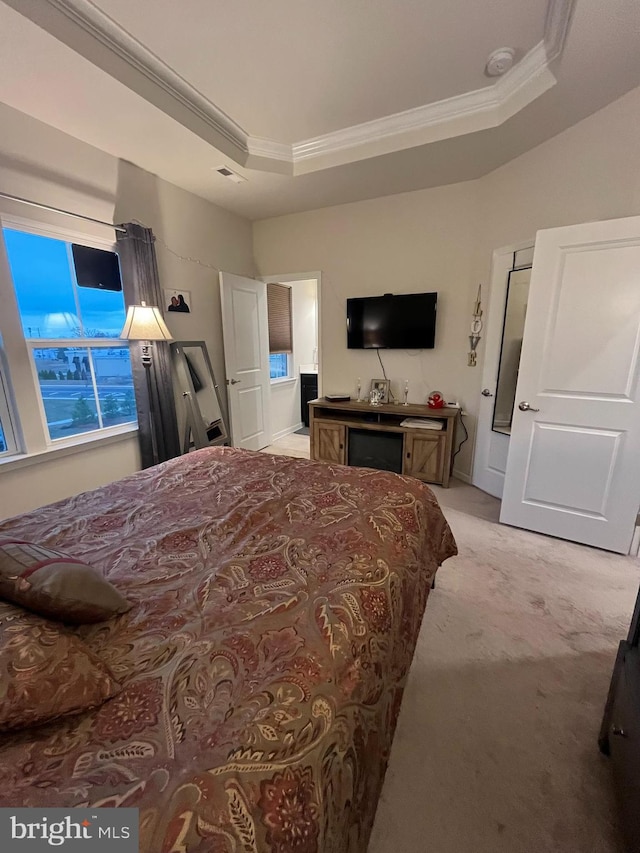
x=353, y=433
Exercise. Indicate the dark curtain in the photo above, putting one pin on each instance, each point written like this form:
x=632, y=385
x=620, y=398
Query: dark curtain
x=158, y=427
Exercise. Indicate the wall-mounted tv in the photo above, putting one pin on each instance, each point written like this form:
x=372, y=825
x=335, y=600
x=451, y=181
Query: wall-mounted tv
x=401, y=321
x=96, y=268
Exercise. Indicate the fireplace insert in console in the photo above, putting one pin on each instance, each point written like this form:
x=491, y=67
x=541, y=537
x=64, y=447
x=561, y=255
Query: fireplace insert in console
x=372, y=449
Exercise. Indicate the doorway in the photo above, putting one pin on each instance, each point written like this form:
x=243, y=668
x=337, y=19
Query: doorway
x=291, y=382
x=264, y=398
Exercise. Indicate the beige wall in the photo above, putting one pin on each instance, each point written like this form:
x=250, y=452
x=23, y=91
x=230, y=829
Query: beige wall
x=41, y=163
x=25, y=488
x=422, y=241
x=442, y=239
x=587, y=173
x=189, y=226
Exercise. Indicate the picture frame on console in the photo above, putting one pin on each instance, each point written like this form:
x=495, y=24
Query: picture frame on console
x=381, y=386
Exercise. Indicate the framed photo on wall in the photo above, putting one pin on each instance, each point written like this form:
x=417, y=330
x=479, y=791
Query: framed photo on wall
x=382, y=387
x=177, y=300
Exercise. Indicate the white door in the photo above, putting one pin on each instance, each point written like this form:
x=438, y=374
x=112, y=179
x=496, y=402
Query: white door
x=246, y=352
x=574, y=458
x=492, y=439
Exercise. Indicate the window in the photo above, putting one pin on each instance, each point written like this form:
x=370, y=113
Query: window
x=8, y=443
x=280, y=329
x=70, y=307
x=279, y=365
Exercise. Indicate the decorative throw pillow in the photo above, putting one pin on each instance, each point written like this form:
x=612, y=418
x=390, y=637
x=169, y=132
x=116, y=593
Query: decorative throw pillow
x=45, y=671
x=56, y=585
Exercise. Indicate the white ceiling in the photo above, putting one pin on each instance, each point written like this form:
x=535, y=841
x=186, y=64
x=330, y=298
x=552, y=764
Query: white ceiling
x=315, y=103
x=293, y=69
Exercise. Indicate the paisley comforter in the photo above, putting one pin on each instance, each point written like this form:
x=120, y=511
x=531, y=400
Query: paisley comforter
x=277, y=604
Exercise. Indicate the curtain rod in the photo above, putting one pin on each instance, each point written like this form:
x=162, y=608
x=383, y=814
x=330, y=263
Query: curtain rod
x=64, y=212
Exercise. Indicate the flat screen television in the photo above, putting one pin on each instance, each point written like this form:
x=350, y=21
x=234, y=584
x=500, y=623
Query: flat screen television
x=401, y=321
x=96, y=268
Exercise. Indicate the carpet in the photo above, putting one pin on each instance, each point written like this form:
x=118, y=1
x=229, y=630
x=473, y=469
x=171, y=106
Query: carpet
x=496, y=745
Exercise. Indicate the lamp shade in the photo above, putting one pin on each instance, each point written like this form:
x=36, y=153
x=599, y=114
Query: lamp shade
x=145, y=323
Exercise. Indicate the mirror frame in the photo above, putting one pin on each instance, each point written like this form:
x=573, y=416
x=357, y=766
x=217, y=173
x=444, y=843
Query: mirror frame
x=197, y=432
x=505, y=429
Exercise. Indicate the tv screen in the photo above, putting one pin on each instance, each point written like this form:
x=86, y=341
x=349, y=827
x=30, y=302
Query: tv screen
x=96, y=268
x=403, y=321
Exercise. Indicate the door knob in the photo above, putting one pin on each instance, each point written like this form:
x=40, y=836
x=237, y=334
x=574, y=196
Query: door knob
x=486, y=393
x=233, y=381
x=525, y=407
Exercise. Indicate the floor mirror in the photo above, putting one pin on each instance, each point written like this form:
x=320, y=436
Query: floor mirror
x=203, y=413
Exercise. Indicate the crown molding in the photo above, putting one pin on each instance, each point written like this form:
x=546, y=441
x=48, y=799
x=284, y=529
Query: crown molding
x=556, y=27
x=523, y=75
x=396, y=125
x=270, y=149
x=89, y=31
x=93, y=34
x=467, y=113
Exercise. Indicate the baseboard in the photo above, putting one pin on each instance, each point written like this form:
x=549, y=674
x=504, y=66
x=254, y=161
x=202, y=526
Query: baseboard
x=287, y=431
x=460, y=475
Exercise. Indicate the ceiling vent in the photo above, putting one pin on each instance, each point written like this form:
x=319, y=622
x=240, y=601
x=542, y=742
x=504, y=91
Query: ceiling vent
x=226, y=172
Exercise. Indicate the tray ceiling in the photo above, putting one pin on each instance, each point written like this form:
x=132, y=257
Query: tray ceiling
x=314, y=103
x=289, y=70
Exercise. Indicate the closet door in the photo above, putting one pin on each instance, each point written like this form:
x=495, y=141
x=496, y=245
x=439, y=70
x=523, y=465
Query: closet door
x=573, y=469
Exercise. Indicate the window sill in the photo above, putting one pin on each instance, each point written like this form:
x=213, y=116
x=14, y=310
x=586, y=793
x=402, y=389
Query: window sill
x=284, y=380
x=57, y=451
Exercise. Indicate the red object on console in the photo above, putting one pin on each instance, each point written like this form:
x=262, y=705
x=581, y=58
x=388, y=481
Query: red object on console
x=435, y=400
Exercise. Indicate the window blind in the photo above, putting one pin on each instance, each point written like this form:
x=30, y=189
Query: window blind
x=279, y=311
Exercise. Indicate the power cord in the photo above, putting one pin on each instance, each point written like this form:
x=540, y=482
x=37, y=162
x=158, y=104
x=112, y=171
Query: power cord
x=466, y=435
x=384, y=373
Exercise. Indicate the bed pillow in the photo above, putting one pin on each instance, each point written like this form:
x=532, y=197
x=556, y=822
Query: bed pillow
x=56, y=585
x=45, y=671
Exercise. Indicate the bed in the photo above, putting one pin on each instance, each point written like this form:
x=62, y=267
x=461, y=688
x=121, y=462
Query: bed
x=276, y=607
